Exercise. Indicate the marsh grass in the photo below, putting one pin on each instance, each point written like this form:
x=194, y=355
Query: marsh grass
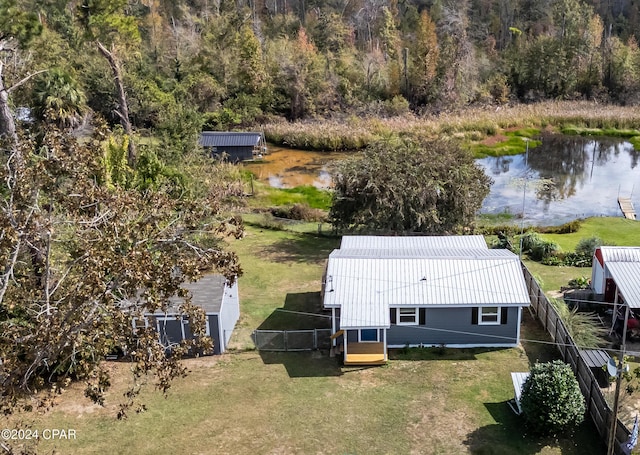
x=473, y=123
x=511, y=145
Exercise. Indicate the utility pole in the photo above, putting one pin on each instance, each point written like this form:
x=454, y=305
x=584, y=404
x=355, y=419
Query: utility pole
x=619, y=370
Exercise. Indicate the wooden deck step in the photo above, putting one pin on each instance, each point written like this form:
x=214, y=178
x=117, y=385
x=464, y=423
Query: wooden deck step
x=365, y=354
x=364, y=359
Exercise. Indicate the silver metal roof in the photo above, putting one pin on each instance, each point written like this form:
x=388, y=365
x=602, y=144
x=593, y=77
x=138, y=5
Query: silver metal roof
x=417, y=242
x=369, y=274
x=620, y=253
x=627, y=278
x=365, y=315
x=229, y=139
x=473, y=253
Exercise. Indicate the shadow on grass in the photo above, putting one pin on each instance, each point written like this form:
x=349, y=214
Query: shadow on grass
x=536, y=341
x=438, y=353
x=508, y=435
x=304, y=364
x=301, y=311
x=303, y=248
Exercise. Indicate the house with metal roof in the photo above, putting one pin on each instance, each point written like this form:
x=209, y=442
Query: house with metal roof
x=392, y=292
x=615, y=278
x=233, y=146
x=220, y=301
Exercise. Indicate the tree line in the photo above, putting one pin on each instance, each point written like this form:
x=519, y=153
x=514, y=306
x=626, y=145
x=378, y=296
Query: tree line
x=173, y=66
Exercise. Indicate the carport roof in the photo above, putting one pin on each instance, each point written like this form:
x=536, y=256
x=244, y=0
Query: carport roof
x=627, y=278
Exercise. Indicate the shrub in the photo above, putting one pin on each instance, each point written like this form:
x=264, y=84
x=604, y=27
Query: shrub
x=551, y=399
x=584, y=327
x=537, y=248
x=577, y=260
x=588, y=246
x=299, y=212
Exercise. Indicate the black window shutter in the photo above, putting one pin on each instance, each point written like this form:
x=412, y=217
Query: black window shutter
x=392, y=315
x=503, y=318
x=474, y=315
x=423, y=316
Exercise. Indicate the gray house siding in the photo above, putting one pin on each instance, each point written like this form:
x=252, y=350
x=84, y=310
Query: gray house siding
x=222, y=307
x=454, y=326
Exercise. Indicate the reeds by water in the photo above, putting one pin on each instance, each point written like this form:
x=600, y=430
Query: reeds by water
x=472, y=124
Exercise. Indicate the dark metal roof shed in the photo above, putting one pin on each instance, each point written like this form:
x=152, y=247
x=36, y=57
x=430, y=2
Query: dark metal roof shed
x=229, y=139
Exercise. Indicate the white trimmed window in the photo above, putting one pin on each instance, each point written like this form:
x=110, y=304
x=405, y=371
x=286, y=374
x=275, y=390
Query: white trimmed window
x=489, y=315
x=407, y=316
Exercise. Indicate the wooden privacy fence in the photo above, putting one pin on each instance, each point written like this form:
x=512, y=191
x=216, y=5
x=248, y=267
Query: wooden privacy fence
x=292, y=340
x=597, y=407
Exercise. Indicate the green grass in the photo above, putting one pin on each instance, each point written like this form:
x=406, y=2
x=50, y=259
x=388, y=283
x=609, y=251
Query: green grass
x=266, y=196
x=303, y=403
x=612, y=230
x=611, y=132
x=282, y=269
x=437, y=401
x=512, y=145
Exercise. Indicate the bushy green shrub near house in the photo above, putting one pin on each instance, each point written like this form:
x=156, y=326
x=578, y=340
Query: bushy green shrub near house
x=551, y=399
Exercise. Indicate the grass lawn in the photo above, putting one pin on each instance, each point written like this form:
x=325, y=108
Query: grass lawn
x=612, y=230
x=435, y=401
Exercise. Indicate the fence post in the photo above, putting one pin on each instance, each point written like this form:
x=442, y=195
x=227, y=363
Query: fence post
x=315, y=338
x=546, y=304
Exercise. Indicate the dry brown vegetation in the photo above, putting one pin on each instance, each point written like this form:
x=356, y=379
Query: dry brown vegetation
x=472, y=124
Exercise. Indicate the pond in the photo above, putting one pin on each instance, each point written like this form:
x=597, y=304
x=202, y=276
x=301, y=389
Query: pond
x=565, y=178
x=288, y=168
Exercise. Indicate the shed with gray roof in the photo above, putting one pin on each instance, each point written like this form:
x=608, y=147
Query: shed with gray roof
x=390, y=292
x=216, y=297
x=233, y=146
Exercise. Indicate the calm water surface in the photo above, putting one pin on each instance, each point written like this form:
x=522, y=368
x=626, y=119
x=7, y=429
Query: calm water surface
x=288, y=168
x=563, y=179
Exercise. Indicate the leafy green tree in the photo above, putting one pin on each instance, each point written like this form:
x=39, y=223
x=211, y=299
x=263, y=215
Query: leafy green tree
x=551, y=399
x=80, y=260
x=252, y=75
x=408, y=185
x=587, y=246
x=17, y=27
x=424, y=55
x=297, y=73
x=114, y=32
x=59, y=98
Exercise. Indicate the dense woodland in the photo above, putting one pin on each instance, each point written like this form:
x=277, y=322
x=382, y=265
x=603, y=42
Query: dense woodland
x=228, y=64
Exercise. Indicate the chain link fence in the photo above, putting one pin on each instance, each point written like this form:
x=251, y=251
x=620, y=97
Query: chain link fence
x=292, y=340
